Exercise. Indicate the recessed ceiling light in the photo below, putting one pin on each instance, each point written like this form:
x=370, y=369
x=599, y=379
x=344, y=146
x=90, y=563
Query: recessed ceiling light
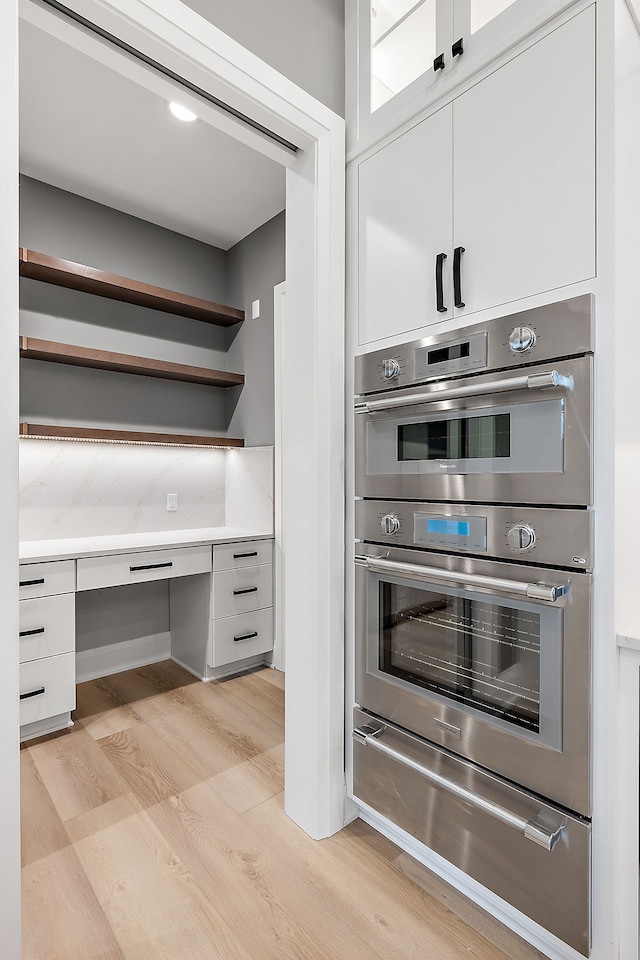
x=181, y=113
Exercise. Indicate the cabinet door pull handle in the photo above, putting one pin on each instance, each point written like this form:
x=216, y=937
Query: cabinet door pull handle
x=246, y=636
x=239, y=556
x=31, y=633
x=237, y=593
x=457, y=49
x=438, y=63
x=33, y=693
x=440, y=259
x=31, y=583
x=457, y=284
x=151, y=566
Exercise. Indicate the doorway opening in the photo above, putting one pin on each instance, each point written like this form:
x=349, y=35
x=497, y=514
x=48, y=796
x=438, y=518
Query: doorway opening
x=315, y=211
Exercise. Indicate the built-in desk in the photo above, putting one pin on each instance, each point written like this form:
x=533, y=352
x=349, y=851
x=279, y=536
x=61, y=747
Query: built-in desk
x=221, y=606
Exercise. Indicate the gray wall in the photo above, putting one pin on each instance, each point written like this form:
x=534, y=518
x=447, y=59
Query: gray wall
x=302, y=39
x=61, y=224
x=255, y=266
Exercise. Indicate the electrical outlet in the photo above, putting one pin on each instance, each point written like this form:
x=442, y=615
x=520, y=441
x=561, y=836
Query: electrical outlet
x=172, y=502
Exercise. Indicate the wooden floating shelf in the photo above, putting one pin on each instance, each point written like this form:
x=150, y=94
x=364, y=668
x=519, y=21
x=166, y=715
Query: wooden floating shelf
x=76, y=276
x=33, y=349
x=48, y=431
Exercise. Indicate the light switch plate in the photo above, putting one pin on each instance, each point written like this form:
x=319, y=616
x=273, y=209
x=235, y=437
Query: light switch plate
x=255, y=309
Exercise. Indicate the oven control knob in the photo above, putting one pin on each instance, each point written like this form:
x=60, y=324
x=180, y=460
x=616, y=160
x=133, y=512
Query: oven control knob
x=521, y=339
x=390, y=524
x=521, y=537
x=390, y=369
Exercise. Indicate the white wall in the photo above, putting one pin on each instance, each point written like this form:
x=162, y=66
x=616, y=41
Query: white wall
x=80, y=489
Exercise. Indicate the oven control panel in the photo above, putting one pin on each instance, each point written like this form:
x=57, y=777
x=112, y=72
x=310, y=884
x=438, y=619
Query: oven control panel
x=545, y=333
x=555, y=537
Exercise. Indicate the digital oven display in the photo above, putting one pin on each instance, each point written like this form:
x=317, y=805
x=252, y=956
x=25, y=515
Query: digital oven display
x=456, y=351
x=468, y=534
x=450, y=528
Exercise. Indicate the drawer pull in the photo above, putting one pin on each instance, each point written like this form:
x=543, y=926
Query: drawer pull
x=241, y=556
x=31, y=633
x=151, y=566
x=32, y=693
x=31, y=583
x=237, y=593
x=246, y=636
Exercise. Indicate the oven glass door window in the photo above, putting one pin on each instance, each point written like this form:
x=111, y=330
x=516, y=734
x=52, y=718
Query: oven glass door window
x=466, y=438
x=523, y=437
x=479, y=651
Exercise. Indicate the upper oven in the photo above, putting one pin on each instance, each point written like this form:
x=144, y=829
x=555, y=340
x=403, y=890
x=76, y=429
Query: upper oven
x=433, y=423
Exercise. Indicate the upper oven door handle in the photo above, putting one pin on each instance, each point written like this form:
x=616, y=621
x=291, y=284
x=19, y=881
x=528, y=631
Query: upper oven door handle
x=547, y=592
x=534, y=381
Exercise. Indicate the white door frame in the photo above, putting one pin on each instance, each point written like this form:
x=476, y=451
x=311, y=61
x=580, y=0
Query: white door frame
x=279, y=301
x=312, y=423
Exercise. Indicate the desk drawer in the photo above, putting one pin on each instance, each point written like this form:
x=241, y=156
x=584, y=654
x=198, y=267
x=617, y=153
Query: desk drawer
x=47, y=626
x=47, y=579
x=48, y=687
x=240, y=591
x=112, y=571
x=237, y=638
x=233, y=556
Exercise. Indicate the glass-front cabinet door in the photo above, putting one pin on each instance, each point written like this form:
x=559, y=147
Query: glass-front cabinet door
x=398, y=43
x=403, y=44
x=410, y=52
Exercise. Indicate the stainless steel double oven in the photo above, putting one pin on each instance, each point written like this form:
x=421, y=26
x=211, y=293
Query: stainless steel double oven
x=473, y=599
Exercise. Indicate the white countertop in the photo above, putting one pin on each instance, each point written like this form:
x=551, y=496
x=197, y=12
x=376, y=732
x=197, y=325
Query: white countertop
x=629, y=639
x=35, y=551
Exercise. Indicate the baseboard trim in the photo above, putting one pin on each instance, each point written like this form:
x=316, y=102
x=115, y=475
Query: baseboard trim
x=40, y=728
x=116, y=657
x=238, y=666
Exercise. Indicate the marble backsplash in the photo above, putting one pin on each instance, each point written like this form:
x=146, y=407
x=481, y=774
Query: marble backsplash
x=79, y=489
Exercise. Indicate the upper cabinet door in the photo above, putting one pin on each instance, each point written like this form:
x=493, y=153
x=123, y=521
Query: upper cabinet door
x=404, y=227
x=404, y=54
x=524, y=171
x=401, y=53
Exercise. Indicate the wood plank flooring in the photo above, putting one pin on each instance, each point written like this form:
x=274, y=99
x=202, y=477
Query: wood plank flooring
x=154, y=830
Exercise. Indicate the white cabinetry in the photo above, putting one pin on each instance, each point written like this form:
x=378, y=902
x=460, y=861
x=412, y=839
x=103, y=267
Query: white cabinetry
x=223, y=623
x=47, y=646
x=505, y=174
x=242, y=609
x=405, y=196
x=407, y=53
x=524, y=171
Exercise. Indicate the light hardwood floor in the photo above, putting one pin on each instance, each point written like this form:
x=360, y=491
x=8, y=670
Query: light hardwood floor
x=154, y=830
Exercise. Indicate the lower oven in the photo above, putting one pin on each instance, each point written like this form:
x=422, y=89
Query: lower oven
x=473, y=693
x=488, y=659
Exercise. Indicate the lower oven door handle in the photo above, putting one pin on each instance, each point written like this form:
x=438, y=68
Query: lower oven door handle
x=547, y=592
x=533, y=829
x=535, y=381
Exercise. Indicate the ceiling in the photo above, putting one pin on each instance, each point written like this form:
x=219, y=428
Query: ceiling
x=89, y=129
